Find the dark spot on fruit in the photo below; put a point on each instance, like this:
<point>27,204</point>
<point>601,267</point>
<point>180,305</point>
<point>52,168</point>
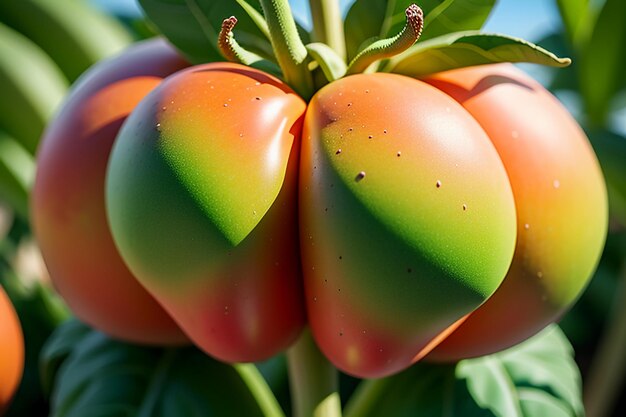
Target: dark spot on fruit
<point>409,270</point>
<point>338,152</point>
<point>360,176</point>
<point>257,98</point>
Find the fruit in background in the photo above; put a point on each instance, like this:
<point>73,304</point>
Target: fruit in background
<point>68,208</point>
<point>560,199</point>
<point>11,351</point>
<point>201,198</point>
<point>74,34</point>
<point>407,220</point>
<point>32,87</point>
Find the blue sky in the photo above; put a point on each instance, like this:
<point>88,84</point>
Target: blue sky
<point>529,19</point>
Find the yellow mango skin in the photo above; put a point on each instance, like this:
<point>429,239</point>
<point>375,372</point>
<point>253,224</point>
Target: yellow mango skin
<point>560,199</point>
<point>407,220</point>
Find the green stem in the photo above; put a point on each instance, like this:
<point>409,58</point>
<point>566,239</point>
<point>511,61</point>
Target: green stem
<point>230,48</point>
<point>367,394</point>
<point>313,380</point>
<point>288,47</point>
<point>606,374</point>
<point>233,52</point>
<point>259,389</point>
<point>386,48</point>
<point>328,25</point>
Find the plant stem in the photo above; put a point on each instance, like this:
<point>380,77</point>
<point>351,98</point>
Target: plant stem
<point>328,25</point>
<point>259,389</point>
<point>606,374</point>
<point>386,48</point>
<point>313,380</point>
<point>233,52</point>
<point>367,393</point>
<point>288,47</point>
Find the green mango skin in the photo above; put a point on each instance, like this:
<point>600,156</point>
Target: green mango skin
<point>560,199</point>
<point>407,220</point>
<point>201,199</point>
<point>67,204</point>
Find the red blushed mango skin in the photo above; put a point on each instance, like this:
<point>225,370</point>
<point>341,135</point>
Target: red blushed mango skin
<point>11,351</point>
<point>68,198</point>
<point>560,199</point>
<point>407,220</point>
<point>201,197</point>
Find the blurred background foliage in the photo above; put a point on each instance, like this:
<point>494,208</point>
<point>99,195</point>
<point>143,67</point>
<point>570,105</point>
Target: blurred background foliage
<point>55,41</point>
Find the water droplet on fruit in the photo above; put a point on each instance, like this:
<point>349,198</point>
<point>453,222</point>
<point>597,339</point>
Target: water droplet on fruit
<point>526,226</point>
<point>367,91</point>
<point>163,108</point>
<point>370,136</point>
<point>539,274</point>
<point>399,154</point>
<point>338,152</point>
<point>464,207</point>
<point>225,104</point>
<point>360,176</point>
<point>350,129</point>
<point>257,98</point>
<point>438,184</point>
<point>315,299</point>
<point>556,183</point>
<point>385,131</point>
<point>349,104</point>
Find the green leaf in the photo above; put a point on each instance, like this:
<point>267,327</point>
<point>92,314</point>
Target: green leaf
<point>573,13</point>
<point>331,64</point>
<point>534,379</point>
<point>602,61</point>
<point>17,172</point>
<point>611,151</point>
<point>93,375</point>
<point>464,49</point>
<point>194,25</point>
<point>369,19</point>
